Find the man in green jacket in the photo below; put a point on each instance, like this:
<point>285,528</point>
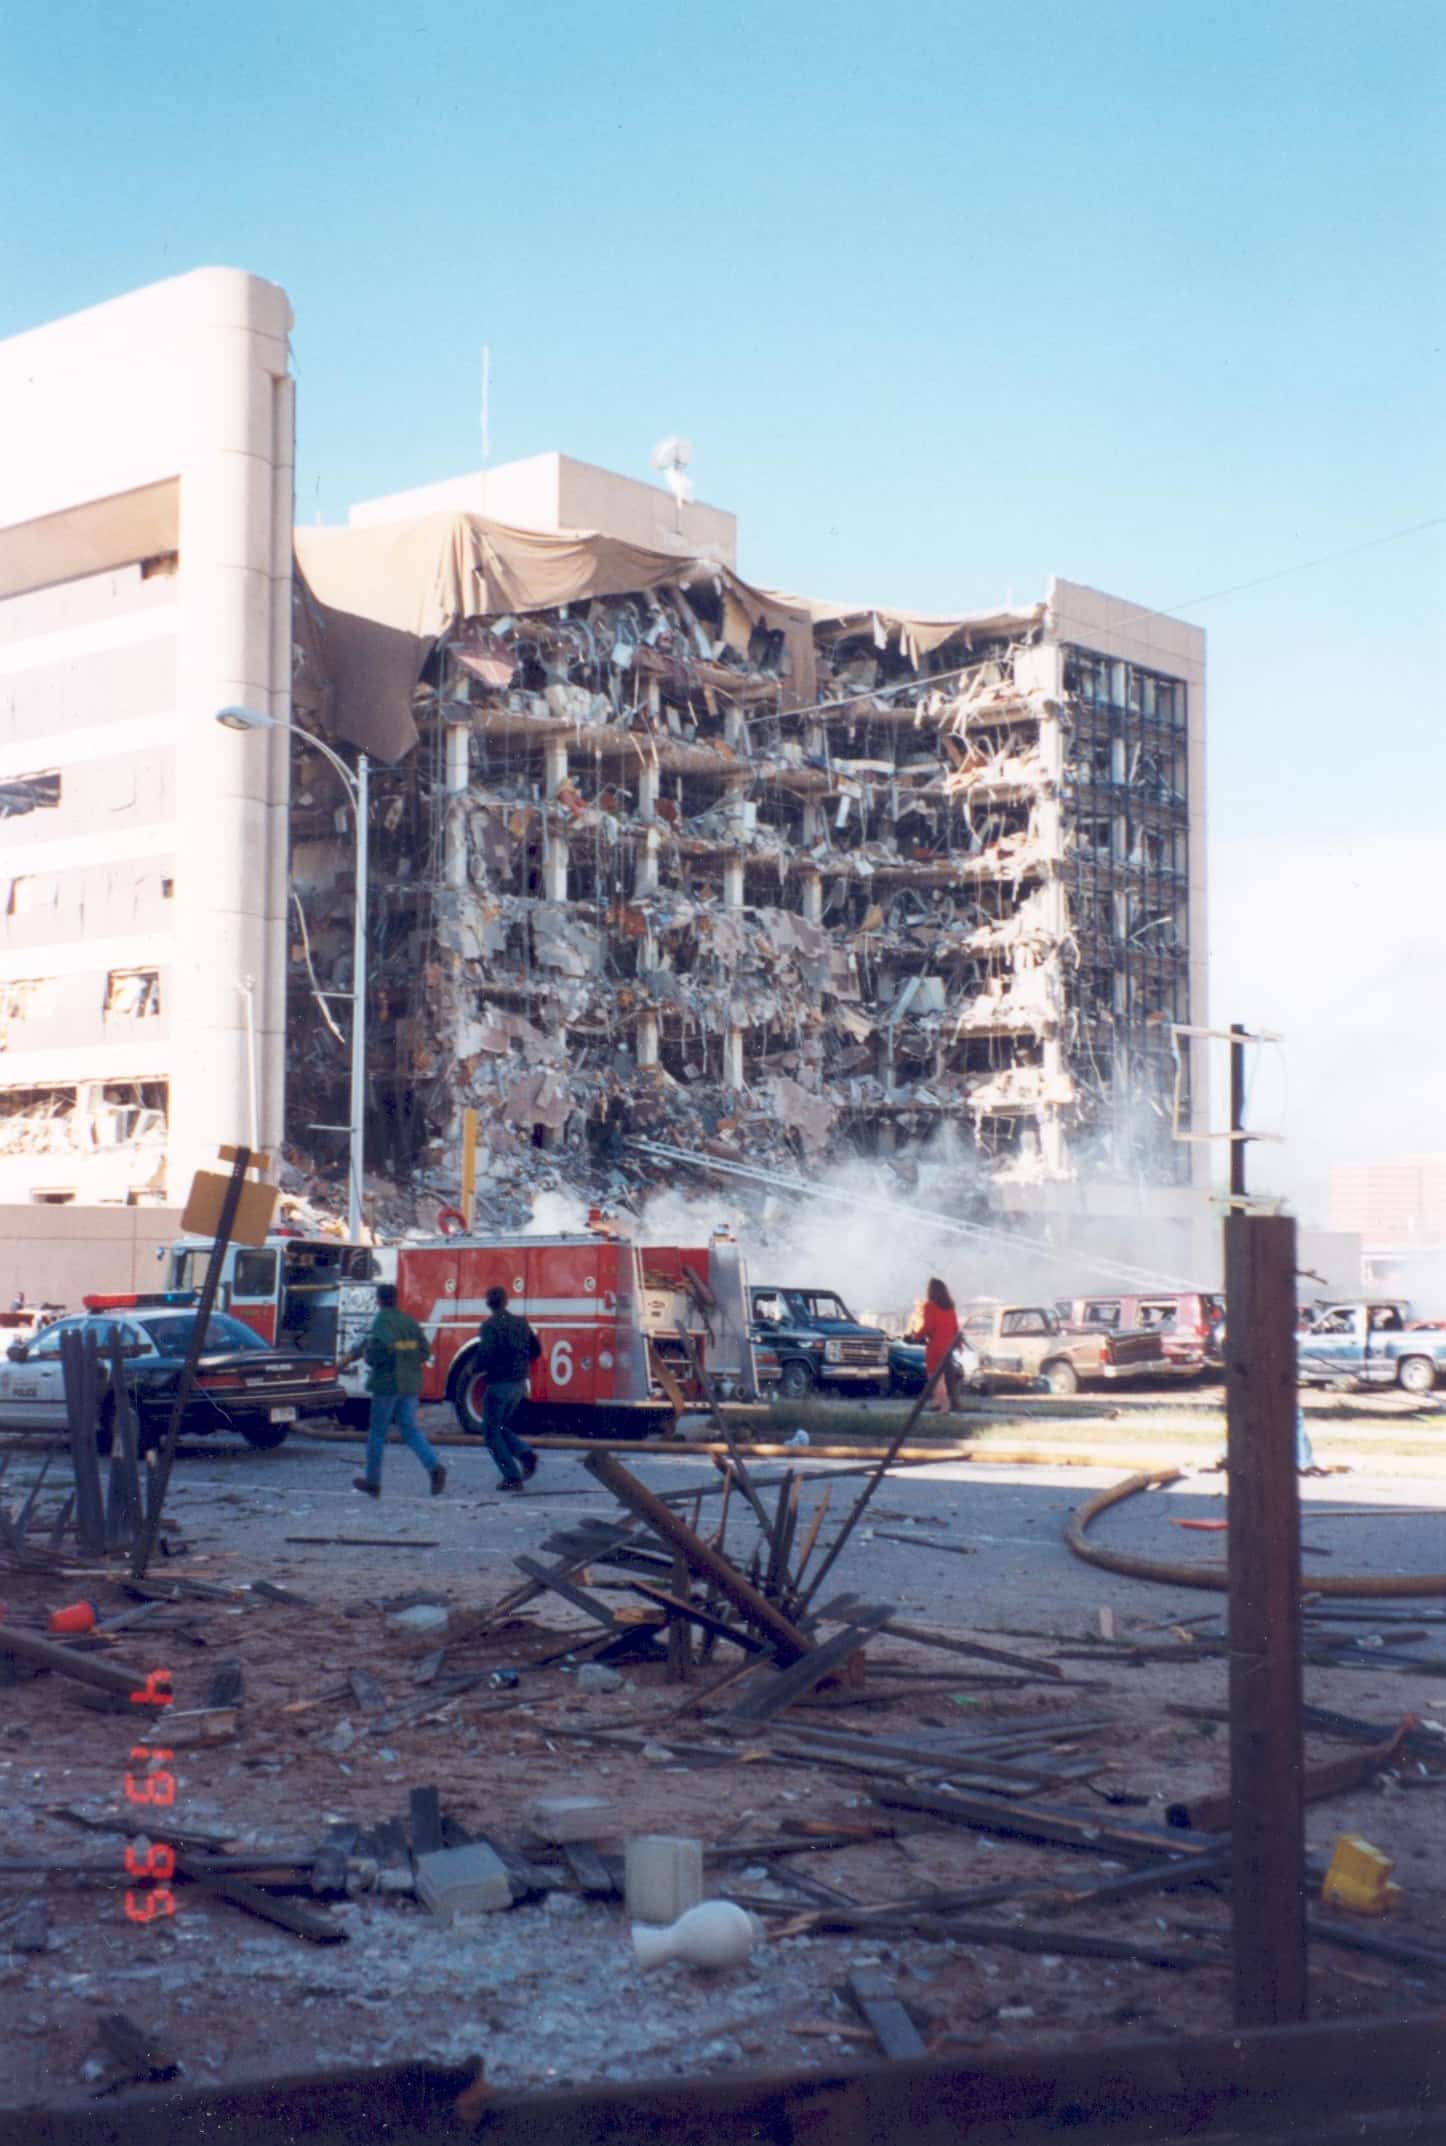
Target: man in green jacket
<point>395,1351</point>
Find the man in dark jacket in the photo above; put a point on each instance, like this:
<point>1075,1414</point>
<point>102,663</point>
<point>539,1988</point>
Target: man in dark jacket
<point>395,1351</point>
<point>509,1350</point>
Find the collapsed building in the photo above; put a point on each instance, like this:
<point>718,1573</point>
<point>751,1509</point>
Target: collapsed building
<point>655,853</point>
<point>660,855</point>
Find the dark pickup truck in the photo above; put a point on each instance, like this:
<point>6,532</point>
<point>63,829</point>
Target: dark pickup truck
<point>818,1342</point>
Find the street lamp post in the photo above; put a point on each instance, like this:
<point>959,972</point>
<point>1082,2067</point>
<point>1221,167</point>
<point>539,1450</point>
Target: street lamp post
<point>355,788</point>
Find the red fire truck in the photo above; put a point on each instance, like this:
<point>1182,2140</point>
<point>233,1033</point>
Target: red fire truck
<point>623,1327</point>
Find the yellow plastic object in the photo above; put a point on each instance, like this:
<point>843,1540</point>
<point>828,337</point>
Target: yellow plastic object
<point>1359,1877</point>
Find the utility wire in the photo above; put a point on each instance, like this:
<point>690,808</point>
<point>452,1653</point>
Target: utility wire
<point>1303,566</point>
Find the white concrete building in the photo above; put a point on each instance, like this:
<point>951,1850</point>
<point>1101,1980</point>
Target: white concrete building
<point>145,582</point>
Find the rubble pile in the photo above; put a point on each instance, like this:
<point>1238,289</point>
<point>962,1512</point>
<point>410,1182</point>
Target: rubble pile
<point>459,1819</point>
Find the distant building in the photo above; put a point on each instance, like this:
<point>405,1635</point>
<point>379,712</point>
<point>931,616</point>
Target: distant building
<point>1399,1211</point>
<point>1394,1206</point>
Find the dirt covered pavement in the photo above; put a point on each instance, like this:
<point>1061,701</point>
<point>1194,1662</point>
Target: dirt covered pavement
<point>375,1679</point>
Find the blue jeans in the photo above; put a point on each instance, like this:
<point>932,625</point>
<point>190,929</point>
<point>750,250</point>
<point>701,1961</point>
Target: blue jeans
<point>400,1408</point>
<point>499,1405</point>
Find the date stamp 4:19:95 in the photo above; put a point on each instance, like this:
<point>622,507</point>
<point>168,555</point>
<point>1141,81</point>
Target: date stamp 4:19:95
<point>150,1782</point>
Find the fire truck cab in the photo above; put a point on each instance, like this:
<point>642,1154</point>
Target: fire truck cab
<point>312,1294</point>
<point>628,1333</point>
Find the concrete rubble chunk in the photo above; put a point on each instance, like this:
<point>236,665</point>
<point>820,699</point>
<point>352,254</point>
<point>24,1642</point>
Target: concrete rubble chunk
<point>422,1617</point>
<point>596,1676</point>
<point>462,1881</point>
<point>664,1877</point>
<point>571,1818</point>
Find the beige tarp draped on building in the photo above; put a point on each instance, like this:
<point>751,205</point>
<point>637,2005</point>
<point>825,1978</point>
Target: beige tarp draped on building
<point>917,636</point>
<point>375,599</point>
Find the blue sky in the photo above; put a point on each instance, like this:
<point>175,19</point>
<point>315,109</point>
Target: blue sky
<point>948,297</point>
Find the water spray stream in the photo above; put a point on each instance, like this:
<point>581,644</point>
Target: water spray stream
<point>948,1225</point>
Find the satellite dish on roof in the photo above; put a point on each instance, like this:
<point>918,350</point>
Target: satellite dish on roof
<point>671,458</point>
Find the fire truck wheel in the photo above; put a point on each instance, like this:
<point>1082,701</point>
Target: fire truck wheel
<point>465,1389</point>
<point>258,1431</point>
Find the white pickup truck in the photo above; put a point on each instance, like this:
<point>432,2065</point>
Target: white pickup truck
<point>1372,1345</point>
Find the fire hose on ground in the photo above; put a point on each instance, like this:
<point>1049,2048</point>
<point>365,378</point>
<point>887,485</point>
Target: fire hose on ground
<point>1214,1574</point>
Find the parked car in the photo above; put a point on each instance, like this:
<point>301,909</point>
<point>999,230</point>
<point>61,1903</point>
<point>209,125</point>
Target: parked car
<point>1190,1323</point>
<point>818,1341</point>
<point>1026,1345</point>
<point>242,1384</point>
<point>907,1368</point>
<point>1372,1344</point>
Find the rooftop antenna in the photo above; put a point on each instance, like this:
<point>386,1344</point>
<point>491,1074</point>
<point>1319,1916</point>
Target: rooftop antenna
<point>671,458</point>
<point>486,402</point>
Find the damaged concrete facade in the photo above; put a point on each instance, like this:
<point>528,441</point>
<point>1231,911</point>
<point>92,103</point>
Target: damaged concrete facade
<point>786,887</point>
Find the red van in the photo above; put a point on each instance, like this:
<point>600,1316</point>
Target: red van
<point>1189,1323</point>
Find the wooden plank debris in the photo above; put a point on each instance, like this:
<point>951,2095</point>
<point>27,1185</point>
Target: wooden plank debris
<point>102,1674</point>
<point>138,2057</point>
<point>274,1593</point>
<point>1372,2077</point>
<point>253,1900</point>
<point>594,1880</point>
<point>679,1606</point>
<point>923,1637</point>
<point>879,2006</point>
<point>786,1639</point>
<point>1041,1822</point>
<point>1021,1937</point>
<point>367,1691</point>
<point>227,1686</point>
<point>80,1361</point>
<point>1267,1820</point>
<point>425,1807</point>
<point>1212,1814</point>
<point>367,1542</point>
<point>768,1691</point>
<point>925,1542</point>
<point>560,1584</point>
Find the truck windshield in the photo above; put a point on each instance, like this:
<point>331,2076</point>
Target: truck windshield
<point>819,1304</point>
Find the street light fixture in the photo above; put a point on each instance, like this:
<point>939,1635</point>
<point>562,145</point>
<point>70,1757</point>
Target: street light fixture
<point>355,788</point>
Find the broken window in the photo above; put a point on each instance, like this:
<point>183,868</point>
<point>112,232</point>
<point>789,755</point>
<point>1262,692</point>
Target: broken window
<point>133,994</point>
<point>25,998</point>
<point>36,1121</point>
<point>29,793</point>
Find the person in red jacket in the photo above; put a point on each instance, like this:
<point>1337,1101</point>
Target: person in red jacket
<point>938,1330</point>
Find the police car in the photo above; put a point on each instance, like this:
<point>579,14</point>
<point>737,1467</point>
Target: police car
<point>242,1383</point>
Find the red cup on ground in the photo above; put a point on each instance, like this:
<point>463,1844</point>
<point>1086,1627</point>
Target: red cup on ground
<point>75,1617</point>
